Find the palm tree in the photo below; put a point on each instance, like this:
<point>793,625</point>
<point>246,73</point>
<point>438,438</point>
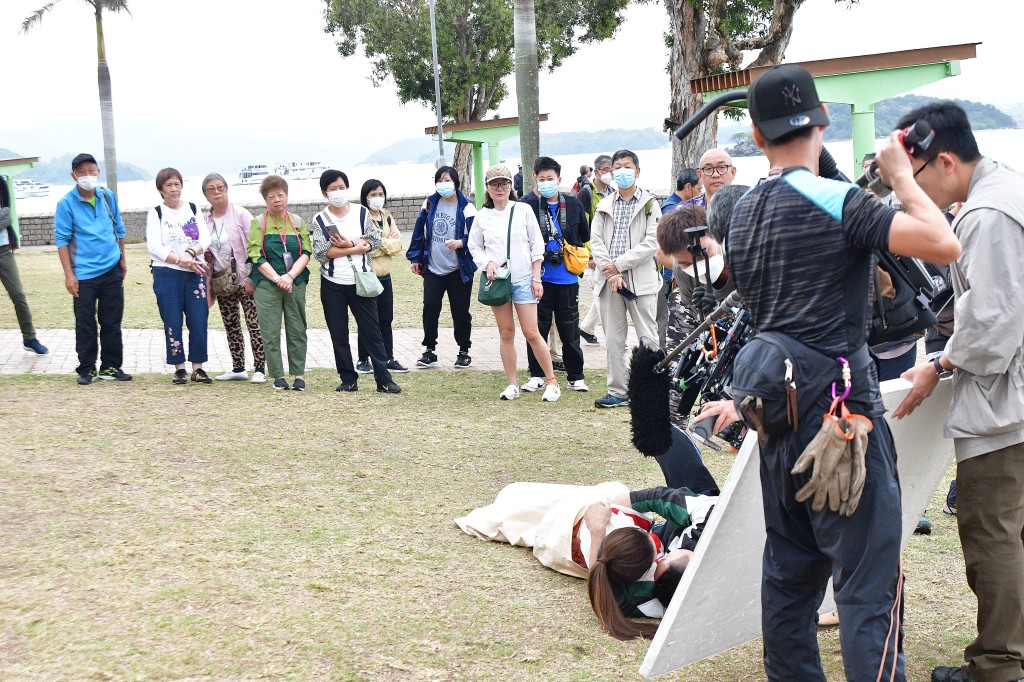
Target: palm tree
<point>102,75</point>
<point>527,87</point>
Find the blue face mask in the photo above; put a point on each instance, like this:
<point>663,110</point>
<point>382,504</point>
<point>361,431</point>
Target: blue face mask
<point>547,188</point>
<point>445,189</point>
<point>624,177</point>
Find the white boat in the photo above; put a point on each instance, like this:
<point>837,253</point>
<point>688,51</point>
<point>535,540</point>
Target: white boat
<point>301,170</point>
<point>253,174</point>
<point>23,189</point>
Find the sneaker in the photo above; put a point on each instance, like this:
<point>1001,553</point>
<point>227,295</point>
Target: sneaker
<point>534,384</point>
<point>33,346</point>
<point>347,387</point>
<point>236,374</point>
<point>396,366</point>
<point>259,376</point>
<point>180,377</point>
<point>950,506</point>
<point>551,393</point>
<point>113,374</point>
<point>924,526</point>
<point>86,379</point>
<point>611,401</point>
<point>390,387</point>
<point>462,360</point>
<point>280,384</point>
<point>578,385</point>
<point>947,673</point>
<point>364,367</point>
<point>558,366</point>
<point>201,377</point>
<point>428,359</point>
<point>511,392</point>
<point>589,338</point>
<point>298,385</point>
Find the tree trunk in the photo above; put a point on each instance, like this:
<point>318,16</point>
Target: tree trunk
<point>106,104</point>
<point>463,162</point>
<point>686,61</point>
<point>527,88</point>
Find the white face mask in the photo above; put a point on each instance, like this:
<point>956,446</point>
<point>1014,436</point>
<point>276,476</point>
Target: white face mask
<point>376,203</point>
<point>717,266</point>
<point>88,182</point>
<point>336,198</point>
<point>606,178</point>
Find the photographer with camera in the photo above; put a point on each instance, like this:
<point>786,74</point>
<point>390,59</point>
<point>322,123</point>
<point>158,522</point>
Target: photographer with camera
<point>800,251</point>
<point>986,357</point>
<point>562,221</point>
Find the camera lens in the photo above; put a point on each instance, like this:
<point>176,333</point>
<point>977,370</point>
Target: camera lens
<point>553,257</point>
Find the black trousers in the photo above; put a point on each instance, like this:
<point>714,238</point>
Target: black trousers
<point>337,300</point>
<point>563,302</point>
<point>101,298</point>
<point>459,292</point>
<point>385,316</point>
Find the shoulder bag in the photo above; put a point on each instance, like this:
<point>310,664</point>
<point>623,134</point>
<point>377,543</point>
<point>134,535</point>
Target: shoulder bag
<point>367,284</point>
<point>498,291</point>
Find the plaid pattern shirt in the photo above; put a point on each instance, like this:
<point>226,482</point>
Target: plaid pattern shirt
<point>622,211</point>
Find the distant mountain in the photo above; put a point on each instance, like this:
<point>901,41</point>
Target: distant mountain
<point>888,112</point>
<point>58,170</point>
<point>412,150</point>
<point>8,154</point>
<point>1017,111</point>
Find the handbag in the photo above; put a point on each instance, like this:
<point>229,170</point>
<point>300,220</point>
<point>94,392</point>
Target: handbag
<point>226,283</point>
<point>498,291</point>
<point>367,284</point>
<point>576,258</point>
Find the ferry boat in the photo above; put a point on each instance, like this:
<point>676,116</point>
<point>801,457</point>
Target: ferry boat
<point>23,189</point>
<point>301,170</point>
<point>253,174</point>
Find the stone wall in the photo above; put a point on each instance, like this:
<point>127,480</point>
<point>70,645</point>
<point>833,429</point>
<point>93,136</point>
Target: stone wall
<point>37,229</point>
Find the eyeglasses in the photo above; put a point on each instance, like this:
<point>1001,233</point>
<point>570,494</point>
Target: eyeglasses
<point>500,185</point>
<point>216,189</point>
<point>711,170</point>
<point>925,165</point>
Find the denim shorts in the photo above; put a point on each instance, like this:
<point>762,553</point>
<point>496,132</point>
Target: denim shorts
<point>522,291</point>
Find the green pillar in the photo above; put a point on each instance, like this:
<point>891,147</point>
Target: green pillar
<point>492,153</point>
<point>478,173</point>
<point>863,128</point>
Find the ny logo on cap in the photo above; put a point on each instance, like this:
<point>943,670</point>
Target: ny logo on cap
<point>791,95</point>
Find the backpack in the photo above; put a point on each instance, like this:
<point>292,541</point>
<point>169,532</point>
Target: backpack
<point>160,213</point>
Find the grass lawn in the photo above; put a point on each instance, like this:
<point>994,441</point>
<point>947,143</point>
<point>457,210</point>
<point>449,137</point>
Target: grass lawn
<point>43,280</point>
<point>152,531</point>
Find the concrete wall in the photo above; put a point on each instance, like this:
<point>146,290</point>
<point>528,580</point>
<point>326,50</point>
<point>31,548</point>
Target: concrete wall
<point>37,229</point>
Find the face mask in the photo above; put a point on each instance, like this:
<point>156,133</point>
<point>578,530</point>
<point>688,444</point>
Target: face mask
<point>88,182</point>
<point>606,178</point>
<point>445,189</point>
<point>717,265</point>
<point>624,177</point>
<point>547,188</point>
<point>336,199</point>
<point>376,203</point>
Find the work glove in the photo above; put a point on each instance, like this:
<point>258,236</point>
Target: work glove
<point>858,471</point>
<point>825,452</point>
<point>703,299</point>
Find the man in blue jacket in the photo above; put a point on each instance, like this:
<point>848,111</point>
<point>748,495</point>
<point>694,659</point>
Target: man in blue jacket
<point>89,235</point>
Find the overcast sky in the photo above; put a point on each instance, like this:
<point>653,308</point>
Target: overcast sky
<point>215,82</point>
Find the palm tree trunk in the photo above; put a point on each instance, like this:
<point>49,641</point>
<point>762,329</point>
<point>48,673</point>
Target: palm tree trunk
<point>106,103</point>
<point>527,89</point>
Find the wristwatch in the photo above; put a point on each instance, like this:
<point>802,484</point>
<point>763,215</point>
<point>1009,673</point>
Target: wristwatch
<point>277,278</point>
<point>941,371</point>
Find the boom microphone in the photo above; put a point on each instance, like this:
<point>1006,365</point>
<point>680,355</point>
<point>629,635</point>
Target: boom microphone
<point>711,107</point>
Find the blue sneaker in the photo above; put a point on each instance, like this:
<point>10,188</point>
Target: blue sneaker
<point>611,401</point>
<point>950,506</point>
<point>33,346</point>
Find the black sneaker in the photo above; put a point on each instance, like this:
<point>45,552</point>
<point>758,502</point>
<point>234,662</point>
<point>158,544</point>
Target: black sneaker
<point>428,359</point>
<point>924,526</point>
<point>280,384</point>
<point>589,338</point>
<point>86,379</point>
<point>201,377</point>
<point>462,361</point>
<point>946,673</point>
<point>180,377</point>
<point>348,386</point>
<point>396,366</point>
<point>390,387</point>
<point>364,367</point>
<point>298,385</point>
<point>113,374</point>
<point>558,366</point>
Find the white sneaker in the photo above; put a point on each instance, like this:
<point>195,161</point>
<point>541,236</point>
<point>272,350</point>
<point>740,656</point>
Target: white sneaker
<point>578,385</point>
<point>551,393</point>
<point>511,392</point>
<point>258,377</point>
<point>534,384</point>
<point>232,375</point>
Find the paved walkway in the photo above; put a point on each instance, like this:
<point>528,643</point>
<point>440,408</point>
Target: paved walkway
<point>144,351</point>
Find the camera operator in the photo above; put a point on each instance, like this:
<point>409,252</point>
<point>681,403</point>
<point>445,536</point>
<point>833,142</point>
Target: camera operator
<point>986,355</point>
<point>561,217</point>
<point>799,249</point>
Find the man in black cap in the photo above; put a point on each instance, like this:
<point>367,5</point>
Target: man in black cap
<point>799,249</point>
<point>89,235</point>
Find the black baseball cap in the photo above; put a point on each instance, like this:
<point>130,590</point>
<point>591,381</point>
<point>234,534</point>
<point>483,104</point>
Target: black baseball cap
<point>784,99</point>
<point>82,158</point>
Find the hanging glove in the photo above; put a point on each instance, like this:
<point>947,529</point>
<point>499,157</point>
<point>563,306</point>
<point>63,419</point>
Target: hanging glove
<point>858,471</point>
<point>824,452</point>
<point>703,299</point>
